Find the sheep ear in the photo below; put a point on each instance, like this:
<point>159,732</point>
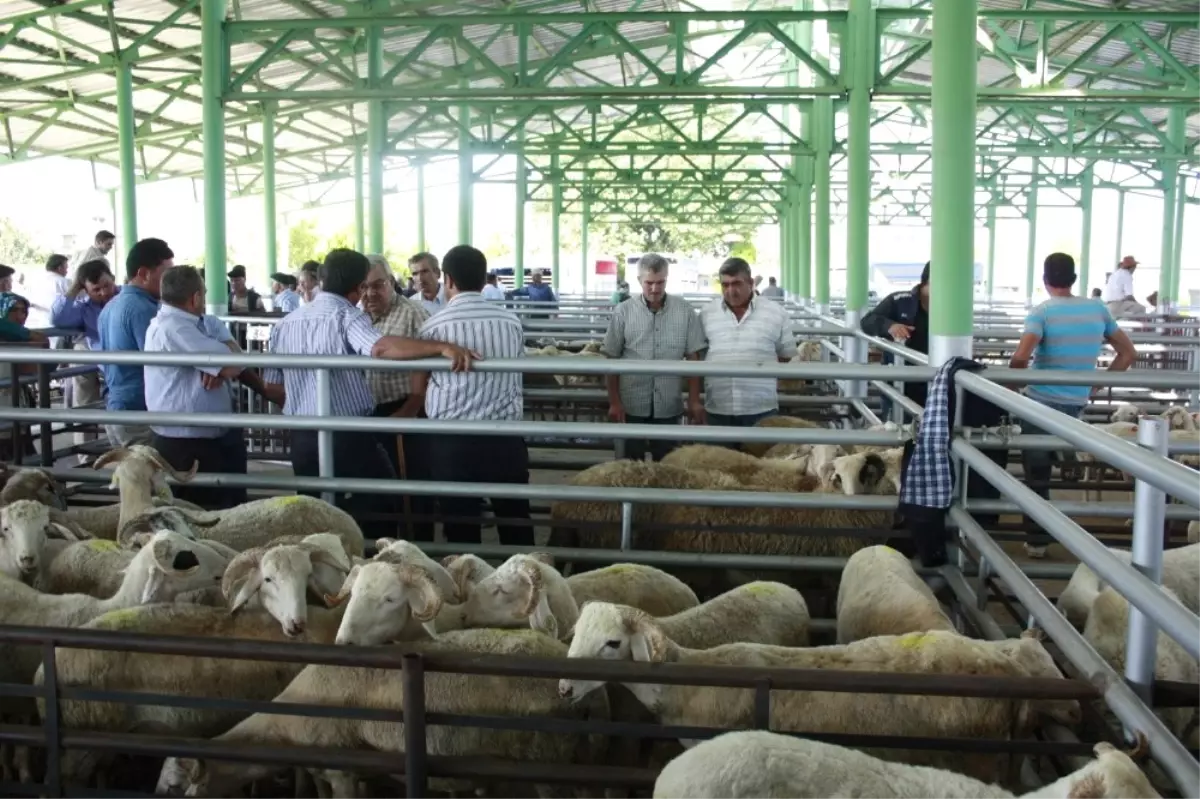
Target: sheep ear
<point>872,470</point>
<point>1090,786</point>
<point>543,557</point>
<point>347,588</point>
<point>428,600</point>
<point>138,540</point>
<point>1036,633</point>
<point>648,644</point>
<point>316,556</point>
<point>56,530</point>
<point>248,588</point>
<point>542,620</point>
<point>383,543</point>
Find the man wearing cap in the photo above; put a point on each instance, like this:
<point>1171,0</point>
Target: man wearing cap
<point>1118,292</point>
<point>1064,332</point>
<point>283,290</point>
<point>903,317</point>
<point>242,299</point>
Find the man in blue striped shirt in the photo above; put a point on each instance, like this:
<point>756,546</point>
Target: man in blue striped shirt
<point>1064,332</point>
<point>332,324</point>
<point>471,321</point>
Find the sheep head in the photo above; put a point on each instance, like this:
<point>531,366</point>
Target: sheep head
<point>279,577</point>
<point>612,632</point>
<point>382,598</point>
<point>143,466</point>
<point>466,570</point>
<point>25,526</point>
<point>860,473</point>
<point>514,595</point>
<point>35,484</point>
<point>1112,773</point>
<point>173,564</point>
<point>1031,656</point>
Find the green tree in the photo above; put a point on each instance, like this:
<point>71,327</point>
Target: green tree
<point>344,238</point>
<point>18,247</point>
<point>303,242</point>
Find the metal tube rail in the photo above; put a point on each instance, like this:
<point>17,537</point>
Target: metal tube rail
<point>368,424</point>
<point>1173,478</point>
<point>1174,619</point>
<point>1168,752</point>
<point>898,398</point>
<point>1141,650</point>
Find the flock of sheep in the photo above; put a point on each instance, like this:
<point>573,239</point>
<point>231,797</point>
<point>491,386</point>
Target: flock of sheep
<point>293,569</point>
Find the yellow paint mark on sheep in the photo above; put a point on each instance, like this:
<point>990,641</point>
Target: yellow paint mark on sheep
<point>103,545</point>
<point>619,568</point>
<point>118,619</point>
<point>286,501</point>
<point>915,640</point>
<point>761,588</point>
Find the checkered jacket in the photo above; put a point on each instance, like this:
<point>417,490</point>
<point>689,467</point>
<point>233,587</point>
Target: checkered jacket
<point>928,480</point>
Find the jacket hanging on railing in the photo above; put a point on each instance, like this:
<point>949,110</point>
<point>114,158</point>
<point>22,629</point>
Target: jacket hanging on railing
<point>927,484</point>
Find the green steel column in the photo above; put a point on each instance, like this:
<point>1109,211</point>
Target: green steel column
<point>802,281</point>
<point>360,211</point>
<point>783,245</point>
<point>1120,228</point>
<point>466,176</point>
<point>270,233</point>
<point>858,158</point>
<point>1176,138</point>
<point>213,70</point>
<point>421,242</point>
<point>1031,204</point>
<point>519,234</point>
<point>952,273</point>
<point>1085,246</point>
<point>804,242</point>
<point>376,140</point>
<point>991,256</point>
<point>125,135</point>
<point>555,218</point>
<point>583,234</point>
<point>1177,266</point>
<point>823,133</point>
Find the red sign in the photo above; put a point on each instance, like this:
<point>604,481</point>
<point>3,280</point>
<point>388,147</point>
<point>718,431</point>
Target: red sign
<point>606,267</point>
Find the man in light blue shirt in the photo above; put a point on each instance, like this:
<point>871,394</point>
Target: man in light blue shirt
<point>1065,332</point>
<point>181,326</point>
<point>122,328</point>
<point>284,297</point>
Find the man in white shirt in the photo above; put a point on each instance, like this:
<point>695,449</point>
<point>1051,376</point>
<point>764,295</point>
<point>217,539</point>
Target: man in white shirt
<point>1118,292</point>
<point>102,245</point>
<point>431,294</point>
<point>742,329</point>
<point>47,287</point>
<point>491,289</point>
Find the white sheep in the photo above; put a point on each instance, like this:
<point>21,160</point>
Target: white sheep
<point>475,694</point>
<point>1125,412</point>
<point>880,594</point>
<point>174,675</point>
<point>604,627</point>
<point>25,529</point>
<point>1180,573</point>
<point>138,476</point>
<point>388,602</point>
<point>1107,630</point>
<point>406,553</point>
<point>821,458</point>
<point>643,587</point>
<point>856,474</point>
<point>524,591</point>
<point>35,484</point>
<point>1178,418</point>
<point>279,576</point>
<point>465,570</point>
<point>753,763</point>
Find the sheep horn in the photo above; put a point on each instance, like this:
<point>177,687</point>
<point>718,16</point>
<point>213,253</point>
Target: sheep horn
<point>1141,746</point>
<point>429,593</point>
<point>318,555</point>
<point>112,456</point>
<point>335,601</point>
<point>530,572</point>
<point>161,463</point>
<point>236,571</point>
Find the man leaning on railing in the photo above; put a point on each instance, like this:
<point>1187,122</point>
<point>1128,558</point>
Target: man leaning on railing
<point>1064,332</point>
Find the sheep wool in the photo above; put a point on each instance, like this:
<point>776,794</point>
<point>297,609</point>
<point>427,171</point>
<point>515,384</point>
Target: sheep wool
<point>880,594</point>
<point>642,587</point>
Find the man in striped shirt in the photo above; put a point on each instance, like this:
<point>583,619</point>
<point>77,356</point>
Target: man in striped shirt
<point>472,322</point>
<point>745,330</point>
<point>1064,332</point>
<point>332,325</point>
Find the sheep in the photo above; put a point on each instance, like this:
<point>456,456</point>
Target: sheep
<point>880,594</point>
<point>387,603</point>
<point>604,627</point>
<point>25,529</point>
<point>759,449</point>
<point>854,474</point>
<point>754,763</point>
<point>138,477</point>
<point>893,468</point>
<point>810,350</point>
<point>255,523</point>
<point>1125,412</point>
<point>465,570</point>
<point>643,587</point>
<point>279,576</point>
<point>738,465</point>
<point>405,552</point>
<point>524,591</point>
<point>1180,573</point>
<point>176,675</point>
<point>35,484</point>
<point>475,695</point>
<point>1107,630</point>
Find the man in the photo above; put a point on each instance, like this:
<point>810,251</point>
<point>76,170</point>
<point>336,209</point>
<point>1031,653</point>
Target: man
<point>47,287</point>
<point>431,294</point>
<point>11,331</point>
<point>772,290</point>
<point>1097,294</point>
<point>122,328</point>
<point>653,327</point>
<point>393,391</point>
<point>241,298</point>
<point>102,245</point>
<point>743,330</point>
<point>308,283</point>
<point>283,293</point>
<point>1118,291</point>
<point>1152,301</point>
<point>492,290</point>
<point>536,290</point>
<point>903,317</point>
<point>1065,332</point>
<point>181,326</point>
<point>621,294</point>
<point>332,325</point>
<point>6,278</point>
<point>472,322</point>
<point>79,309</point>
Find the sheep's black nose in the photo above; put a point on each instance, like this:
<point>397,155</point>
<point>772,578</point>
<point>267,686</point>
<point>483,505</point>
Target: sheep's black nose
<point>185,559</point>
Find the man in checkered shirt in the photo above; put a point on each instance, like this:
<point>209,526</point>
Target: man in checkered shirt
<point>653,327</point>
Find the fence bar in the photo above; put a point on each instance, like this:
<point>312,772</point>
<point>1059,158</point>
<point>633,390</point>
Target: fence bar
<point>324,431</point>
<point>626,526</point>
<point>1149,506</point>
<point>1168,752</point>
<point>1175,620</point>
<point>52,721</point>
<point>413,697</point>
<point>47,436</point>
